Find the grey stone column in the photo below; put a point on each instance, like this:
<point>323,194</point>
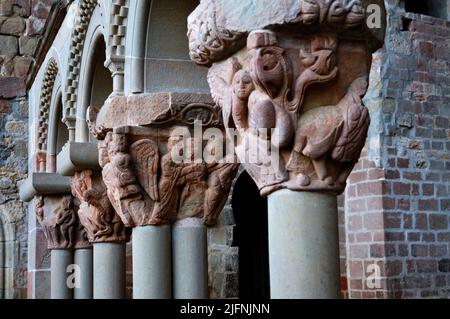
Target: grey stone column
<point>109,270</point>
<point>60,260</point>
<point>152,267</point>
<point>303,245</point>
<point>190,259</point>
<point>83,258</point>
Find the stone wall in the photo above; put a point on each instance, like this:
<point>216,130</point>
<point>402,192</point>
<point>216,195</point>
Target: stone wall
<point>397,202</point>
<point>21,26</point>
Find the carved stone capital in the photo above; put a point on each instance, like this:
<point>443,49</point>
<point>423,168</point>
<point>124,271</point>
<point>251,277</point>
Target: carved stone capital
<point>60,226</point>
<point>292,96</point>
<point>95,212</point>
<point>147,186</point>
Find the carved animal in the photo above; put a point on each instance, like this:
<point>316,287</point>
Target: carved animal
<point>334,132</point>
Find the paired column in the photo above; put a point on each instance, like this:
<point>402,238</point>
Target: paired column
<point>83,259</point>
<point>61,260</point>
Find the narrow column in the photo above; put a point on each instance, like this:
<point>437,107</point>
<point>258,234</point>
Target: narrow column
<point>61,259</point>
<point>152,268</point>
<point>109,270</point>
<point>83,259</point>
<point>303,245</point>
<point>190,259</point>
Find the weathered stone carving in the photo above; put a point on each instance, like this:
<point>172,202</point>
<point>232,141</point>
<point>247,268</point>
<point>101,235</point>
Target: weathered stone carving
<point>84,13</point>
<point>294,93</point>
<point>48,83</point>
<point>95,212</point>
<point>147,187</point>
<point>60,227</point>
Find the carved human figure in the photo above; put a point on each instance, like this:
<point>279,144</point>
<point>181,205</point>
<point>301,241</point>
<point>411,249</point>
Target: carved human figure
<point>96,213</point>
<point>60,227</point>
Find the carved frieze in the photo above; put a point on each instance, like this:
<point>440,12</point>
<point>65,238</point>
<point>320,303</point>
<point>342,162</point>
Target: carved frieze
<point>95,211</point>
<point>292,97</point>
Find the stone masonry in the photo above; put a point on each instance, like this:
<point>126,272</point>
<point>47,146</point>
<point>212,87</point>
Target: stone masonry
<point>397,201</point>
<point>21,27</point>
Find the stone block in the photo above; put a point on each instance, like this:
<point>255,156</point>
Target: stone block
<point>8,45</point>
<point>13,26</point>
<point>11,87</point>
<point>28,45</point>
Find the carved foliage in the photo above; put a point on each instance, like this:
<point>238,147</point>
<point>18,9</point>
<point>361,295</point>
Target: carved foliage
<point>149,189</point>
<point>96,214</point>
<point>207,41</point>
<point>60,228</point>
<point>262,96</point>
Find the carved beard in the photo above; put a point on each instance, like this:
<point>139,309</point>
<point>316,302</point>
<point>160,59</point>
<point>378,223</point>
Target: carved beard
<point>268,69</point>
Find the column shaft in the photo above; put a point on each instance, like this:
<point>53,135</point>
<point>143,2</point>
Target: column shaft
<point>61,259</point>
<point>83,259</point>
<point>109,270</point>
<point>152,268</point>
<point>190,259</point>
<point>303,245</point>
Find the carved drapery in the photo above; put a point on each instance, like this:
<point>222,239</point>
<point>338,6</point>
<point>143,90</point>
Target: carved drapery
<point>61,227</point>
<point>293,94</point>
<point>95,212</point>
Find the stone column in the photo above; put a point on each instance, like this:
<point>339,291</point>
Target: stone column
<point>60,230</point>
<point>303,245</point>
<point>83,258</point>
<point>105,231</point>
<point>152,262</point>
<point>109,270</point>
<point>61,259</point>
<point>190,259</point>
<point>293,99</point>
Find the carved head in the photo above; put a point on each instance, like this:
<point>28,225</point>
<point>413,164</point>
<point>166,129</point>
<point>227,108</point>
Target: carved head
<point>268,67</point>
<point>103,157</point>
<point>67,203</point>
<point>242,85</point>
<point>322,59</point>
<point>118,144</point>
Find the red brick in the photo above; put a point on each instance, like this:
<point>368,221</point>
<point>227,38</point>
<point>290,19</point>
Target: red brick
<point>403,162</point>
<point>403,204</point>
<point>355,268</point>
<point>357,205</point>
<point>407,221</point>
<point>402,189</point>
<point>438,250</point>
<point>426,266</point>
<point>392,174</point>
<point>394,236</point>
<point>359,251</point>
<point>363,237</point>
<point>414,176</point>
<point>356,177</point>
<point>428,237</point>
<point>4,106</point>
<point>376,174</point>
<point>392,220</point>
<point>419,250</point>
<point>403,250</point>
<point>370,188</point>
<point>373,221</point>
<point>438,221</point>
<point>354,223</point>
<point>421,221</point>
<point>356,284</point>
<point>427,189</point>
<point>394,267</point>
<point>377,250</point>
<point>428,205</point>
<point>413,236</point>
<point>388,203</point>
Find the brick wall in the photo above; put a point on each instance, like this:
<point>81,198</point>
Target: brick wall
<point>21,26</point>
<point>397,206</point>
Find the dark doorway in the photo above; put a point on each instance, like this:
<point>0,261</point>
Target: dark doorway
<point>251,236</point>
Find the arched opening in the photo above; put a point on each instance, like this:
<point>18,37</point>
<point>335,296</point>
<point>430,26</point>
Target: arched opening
<point>62,133</point>
<point>251,236</point>
<point>96,84</point>
<point>168,67</point>
<point>58,133</point>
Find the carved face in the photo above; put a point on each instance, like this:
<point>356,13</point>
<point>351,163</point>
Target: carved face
<point>118,144</point>
<point>242,85</point>
<point>267,68</point>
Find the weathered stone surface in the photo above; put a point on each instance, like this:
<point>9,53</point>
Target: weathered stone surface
<point>35,26</point>
<point>9,45</point>
<point>13,26</point>
<point>28,45</point>
<point>11,87</point>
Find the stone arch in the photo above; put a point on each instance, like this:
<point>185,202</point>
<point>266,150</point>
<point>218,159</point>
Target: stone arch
<point>48,82</point>
<point>83,18</point>
<point>7,240</point>
<point>117,30</point>
<point>96,82</point>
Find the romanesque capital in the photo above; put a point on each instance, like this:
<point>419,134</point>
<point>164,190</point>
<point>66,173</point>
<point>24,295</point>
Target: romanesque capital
<point>147,186</point>
<point>290,92</point>
<point>61,226</point>
<point>95,212</point>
